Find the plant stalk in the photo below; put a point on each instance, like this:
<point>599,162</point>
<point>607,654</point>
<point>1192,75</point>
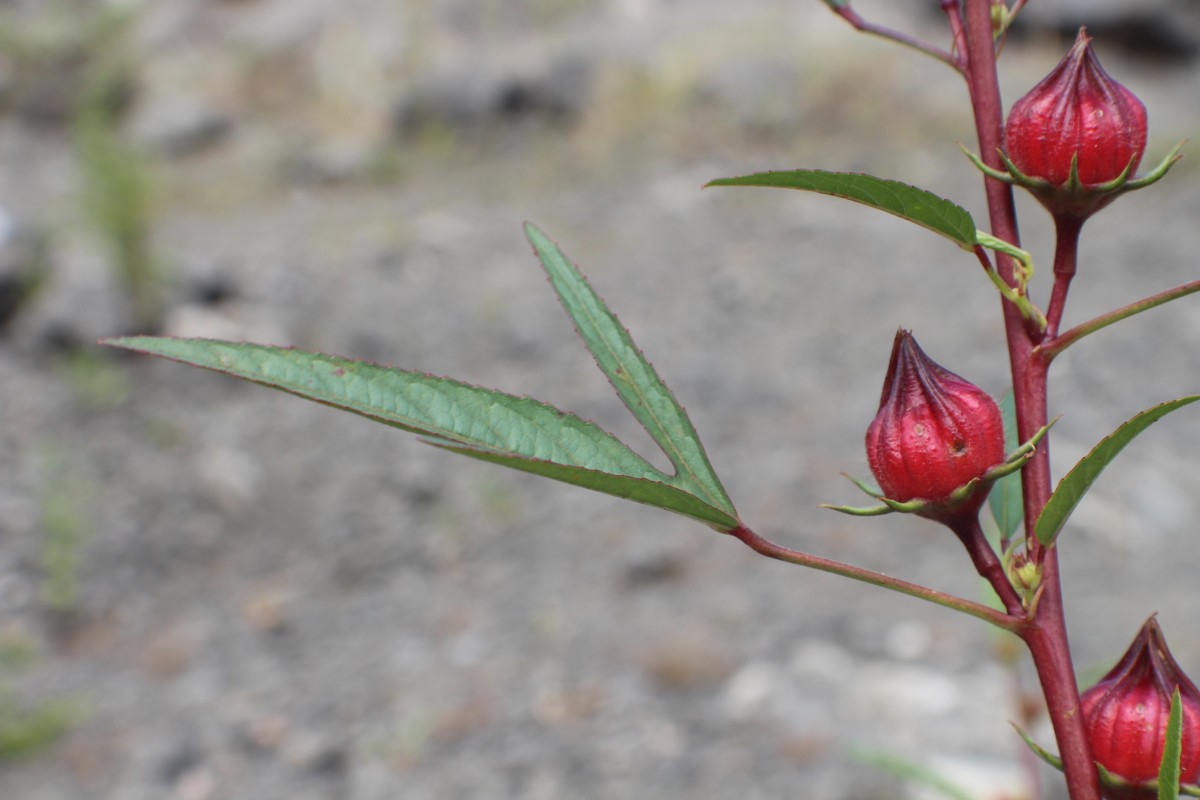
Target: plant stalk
<point>843,10</point>
<point>987,564</point>
<point>1050,348</point>
<point>770,549</point>
<point>1046,635</point>
<point>1066,254</point>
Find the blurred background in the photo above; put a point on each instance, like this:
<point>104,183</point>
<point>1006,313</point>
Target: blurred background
<point>210,591</point>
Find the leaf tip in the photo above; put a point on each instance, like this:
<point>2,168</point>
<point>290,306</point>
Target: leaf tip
<point>535,235</point>
<point>123,342</point>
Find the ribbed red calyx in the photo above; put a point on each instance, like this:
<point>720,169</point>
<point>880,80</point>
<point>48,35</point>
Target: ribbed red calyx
<point>934,432</point>
<point>1126,716</point>
<point>1077,110</point>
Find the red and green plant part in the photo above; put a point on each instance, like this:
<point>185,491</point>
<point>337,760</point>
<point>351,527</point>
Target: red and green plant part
<point>940,447</point>
<point>1127,712</point>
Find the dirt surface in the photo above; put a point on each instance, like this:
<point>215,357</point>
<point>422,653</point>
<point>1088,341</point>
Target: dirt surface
<point>275,600</point>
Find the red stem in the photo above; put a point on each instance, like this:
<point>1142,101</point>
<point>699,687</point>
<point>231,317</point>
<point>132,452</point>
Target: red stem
<point>953,11</point>
<point>865,26</point>
<point>766,547</point>
<point>1051,347</point>
<point>1046,636</point>
<point>987,564</point>
<point>1066,252</point>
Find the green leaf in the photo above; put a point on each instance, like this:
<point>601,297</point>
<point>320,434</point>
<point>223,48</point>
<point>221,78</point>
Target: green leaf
<point>907,202</point>
<point>1168,769</point>
<point>1005,499</point>
<point>1037,749</point>
<point>638,385</point>
<point>640,490</point>
<point>518,432</point>
<point>911,771</point>
<point>1072,488</point>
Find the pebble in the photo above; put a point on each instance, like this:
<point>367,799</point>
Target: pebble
<point>230,476</point>
<point>749,690</point>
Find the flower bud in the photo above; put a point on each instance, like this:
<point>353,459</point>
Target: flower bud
<point>1126,716</point>
<point>1077,113</point>
<point>934,433</point>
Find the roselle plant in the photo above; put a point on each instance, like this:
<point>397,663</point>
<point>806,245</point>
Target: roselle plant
<point>939,446</point>
<point>1127,708</point>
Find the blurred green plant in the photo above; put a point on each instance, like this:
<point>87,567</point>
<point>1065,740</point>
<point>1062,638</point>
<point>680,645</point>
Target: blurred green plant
<point>48,47</point>
<point>96,381</point>
<point>72,62</point>
<point>17,650</point>
<point>910,771</point>
<point>64,535</point>
<point>28,728</point>
<point>118,192</point>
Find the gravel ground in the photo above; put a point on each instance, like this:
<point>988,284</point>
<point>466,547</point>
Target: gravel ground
<point>276,600</point>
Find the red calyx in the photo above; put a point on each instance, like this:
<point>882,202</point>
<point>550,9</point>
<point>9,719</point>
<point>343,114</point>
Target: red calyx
<point>1077,111</point>
<point>1126,716</point>
<point>934,433</point>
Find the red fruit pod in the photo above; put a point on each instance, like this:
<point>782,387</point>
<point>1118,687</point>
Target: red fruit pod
<point>934,433</point>
<point>1078,112</point>
<point>1126,714</point>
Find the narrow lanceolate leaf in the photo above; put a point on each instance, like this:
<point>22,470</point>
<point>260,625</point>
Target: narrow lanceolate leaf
<point>1072,488</point>
<point>518,432</point>
<point>916,773</point>
<point>1005,498</point>
<point>907,202</point>
<point>1168,770</point>
<point>638,385</point>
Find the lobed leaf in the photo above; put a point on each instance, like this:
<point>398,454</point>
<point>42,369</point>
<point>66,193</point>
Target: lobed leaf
<point>907,202</point>
<point>1074,485</point>
<point>638,385</point>
<point>519,432</point>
